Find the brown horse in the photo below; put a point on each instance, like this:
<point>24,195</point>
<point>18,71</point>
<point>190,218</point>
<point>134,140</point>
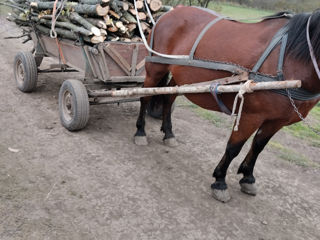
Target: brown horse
<point>241,43</point>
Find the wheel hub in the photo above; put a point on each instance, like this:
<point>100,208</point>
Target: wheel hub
<point>20,72</point>
<point>67,105</point>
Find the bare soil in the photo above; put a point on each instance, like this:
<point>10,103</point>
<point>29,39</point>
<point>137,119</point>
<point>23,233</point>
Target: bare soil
<point>96,184</point>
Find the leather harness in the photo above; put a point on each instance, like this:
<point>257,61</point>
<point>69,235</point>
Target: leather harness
<point>280,37</point>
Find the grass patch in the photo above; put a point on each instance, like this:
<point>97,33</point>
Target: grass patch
<point>302,131</point>
<point>214,117</point>
<point>292,156</point>
<point>238,12</point>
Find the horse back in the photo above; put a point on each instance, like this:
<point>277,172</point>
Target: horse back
<point>226,41</point>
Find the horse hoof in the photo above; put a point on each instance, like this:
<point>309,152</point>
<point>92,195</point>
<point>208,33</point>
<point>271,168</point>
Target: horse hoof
<point>141,140</point>
<point>221,195</point>
<point>171,142</point>
<point>249,189</point>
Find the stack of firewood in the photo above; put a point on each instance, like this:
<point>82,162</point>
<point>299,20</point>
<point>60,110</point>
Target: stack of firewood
<point>94,21</point>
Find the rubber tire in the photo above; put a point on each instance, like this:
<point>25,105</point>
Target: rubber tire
<point>30,71</point>
<point>155,107</point>
<point>79,102</point>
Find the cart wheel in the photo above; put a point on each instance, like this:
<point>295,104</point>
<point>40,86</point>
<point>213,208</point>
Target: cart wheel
<point>73,105</point>
<point>155,107</point>
<point>25,71</point>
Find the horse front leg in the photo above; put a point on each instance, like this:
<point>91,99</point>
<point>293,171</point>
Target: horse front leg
<point>262,137</point>
<point>248,124</point>
<point>166,127</point>
<point>140,137</point>
<point>169,138</point>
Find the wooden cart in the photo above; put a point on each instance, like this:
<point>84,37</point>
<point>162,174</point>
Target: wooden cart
<point>109,65</point>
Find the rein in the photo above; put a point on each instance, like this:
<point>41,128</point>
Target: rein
<point>313,58</point>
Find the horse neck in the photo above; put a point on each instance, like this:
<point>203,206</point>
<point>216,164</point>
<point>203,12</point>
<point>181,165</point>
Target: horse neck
<point>295,69</point>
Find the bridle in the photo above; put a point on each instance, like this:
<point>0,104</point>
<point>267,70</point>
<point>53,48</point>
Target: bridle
<point>313,58</point>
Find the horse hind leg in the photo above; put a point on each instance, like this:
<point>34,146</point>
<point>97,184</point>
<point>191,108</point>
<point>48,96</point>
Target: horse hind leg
<point>262,137</point>
<point>248,125</point>
<point>155,76</point>
<point>169,138</point>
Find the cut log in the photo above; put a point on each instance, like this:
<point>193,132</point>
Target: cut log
<point>77,18</point>
<point>155,5</point>
<point>145,27</point>
<point>79,8</point>
<point>102,11</point>
<point>113,29</point>
<point>114,14</point>
<point>97,22</point>
<point>132,11</point>
<point>108,20</point>
<point>131,27</point>
<point>67,25</point>
<point>121,28</point>
<point>94,2</point>
<point>166,8</point>
<point>103,32</point>
<point>61,32</point>
<point>139,4</point>
<point>142,16</point>
<point>129,17</point>
<point>97,39</point>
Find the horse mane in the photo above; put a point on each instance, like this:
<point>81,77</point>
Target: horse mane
<point>297,41</point>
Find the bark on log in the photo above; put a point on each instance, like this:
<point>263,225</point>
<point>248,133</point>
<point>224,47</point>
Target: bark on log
<point>77,18</point>
<point>68,25</point>
<point>189,89</point>
<point>129,17</point>
<point>97,22</point>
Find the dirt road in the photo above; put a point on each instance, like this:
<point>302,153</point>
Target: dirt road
<point>96,184</point>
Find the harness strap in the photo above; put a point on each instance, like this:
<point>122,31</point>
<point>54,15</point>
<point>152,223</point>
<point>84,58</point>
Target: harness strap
<point>281,57</point>
<point>212,65</point>
<point>214,91</point>
<point>274,42</point>
<point>203,32</point>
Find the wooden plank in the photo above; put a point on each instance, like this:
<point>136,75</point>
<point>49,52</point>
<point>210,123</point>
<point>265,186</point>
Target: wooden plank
<point>134,59</point>
<point>190,89</point>
<point>123,64</point>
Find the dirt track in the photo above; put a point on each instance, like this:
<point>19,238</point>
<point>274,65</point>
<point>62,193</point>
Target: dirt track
<point>96,184</point>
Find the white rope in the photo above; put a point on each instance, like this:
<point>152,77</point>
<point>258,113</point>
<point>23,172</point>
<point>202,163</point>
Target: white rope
<point>53,33</point>
<point>146,43</point>
<point>244,88</point>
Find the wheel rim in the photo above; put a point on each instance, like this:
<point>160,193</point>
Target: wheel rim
<point>20,73</point>
<point>67,108</point>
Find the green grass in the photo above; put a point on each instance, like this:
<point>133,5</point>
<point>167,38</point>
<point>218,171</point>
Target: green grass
<point>238,12</point>
<point>303,131</point>
<point>292,156</point>
<point>214,117</point>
